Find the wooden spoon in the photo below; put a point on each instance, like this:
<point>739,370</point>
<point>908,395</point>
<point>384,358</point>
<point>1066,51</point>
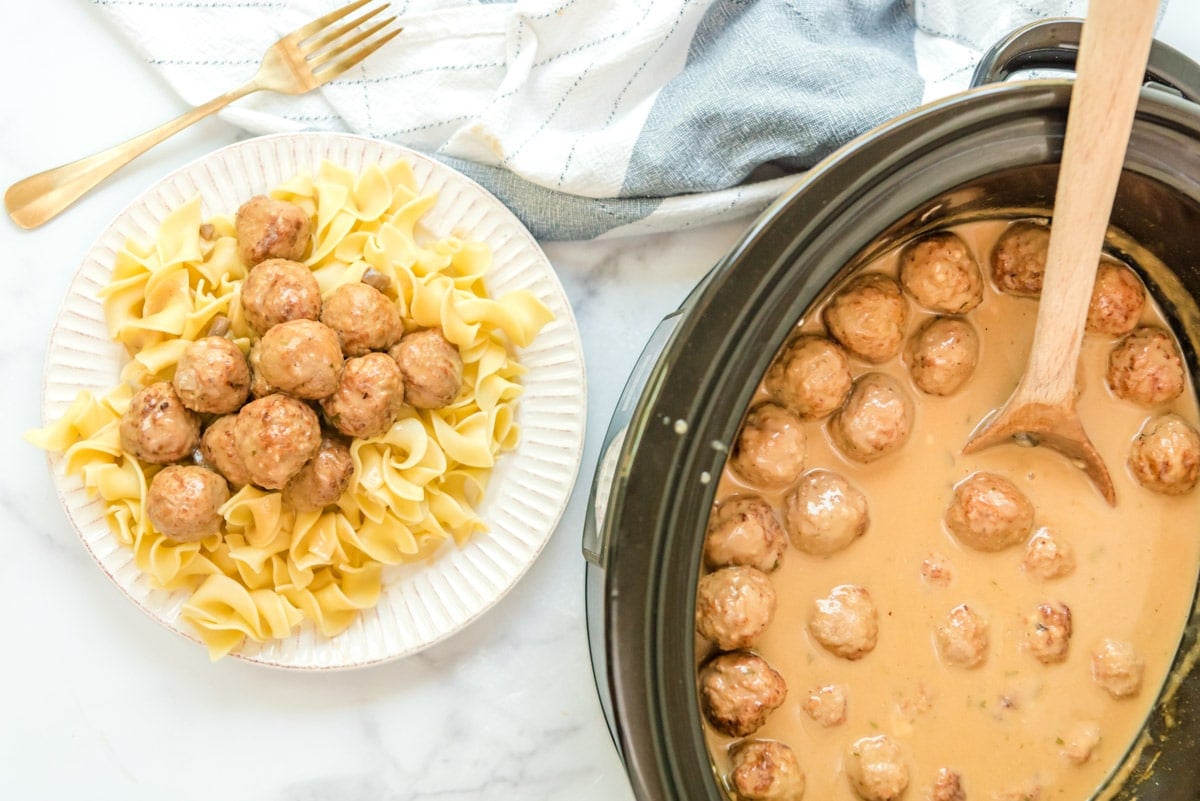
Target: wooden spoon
<point>1110,72</point>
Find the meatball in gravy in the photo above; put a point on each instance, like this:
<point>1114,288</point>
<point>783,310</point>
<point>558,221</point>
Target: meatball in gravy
<point>1019,258</point>
<point>744,531</point>
<point>1048,632</point>
<point>218,448</point>
<point>364,318</point>
<point>825,513</point>
<point>876,769</point>
<point>1165,456</point>
<point>876,419</point>
<point>275,436</point>
<point>1146,368</point>
<point>940,273</point>
<point>212,376</point>
<point>184,502</point>
<point>942,354</point>
<point>811,377</point>
<point>1048,556</point>
<point>432,368</point>
<point>766,770</point>
<point>277,291</point>
<point>826,705</point>
<point>157,428</point>
<point>271,229</point>
<point>733,606</point>
<point>770,449</point>
<point>1118,300</point>
<point>368,397</point>
<point>845,622</point>
<point>738,690</point>
<point>1117,667</point>
<point>989,513</point>
<point>962,639</point>
<point>868,316</point>
<point>302,358</point>
<point>323,478</point>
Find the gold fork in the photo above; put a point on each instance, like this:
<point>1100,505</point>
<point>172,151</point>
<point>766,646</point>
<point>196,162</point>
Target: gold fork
<point>299,62</point>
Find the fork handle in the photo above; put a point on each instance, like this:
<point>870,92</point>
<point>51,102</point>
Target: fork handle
<point>38,198</point>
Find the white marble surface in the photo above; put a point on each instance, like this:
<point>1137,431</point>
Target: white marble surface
<point>98,701</point>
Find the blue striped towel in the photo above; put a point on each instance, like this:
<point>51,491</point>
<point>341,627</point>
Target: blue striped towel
<point>601,117</point>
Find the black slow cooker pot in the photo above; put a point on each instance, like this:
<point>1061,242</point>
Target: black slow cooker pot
<point>993,149</point>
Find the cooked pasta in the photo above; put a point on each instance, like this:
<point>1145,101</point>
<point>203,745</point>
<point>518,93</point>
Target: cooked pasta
<point>415,487</point>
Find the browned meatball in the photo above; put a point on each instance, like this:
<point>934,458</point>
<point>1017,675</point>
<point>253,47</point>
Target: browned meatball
<point>218,446</point>
<point>368,397</point>
<point>811,377</point>
<point>1117,301</point>
<point>941,274</point>
<point>942,354</point>
<point>1019,258</point>
<point>845,622</point>
<point>1117,668</point>
<point>875,421</point>
<point>733,606</point>
<point>184,502</point>
<point>277,291</point>
<point>432,368</point>
<point>1048,632</point>
<point>157,427</point>
<point>868,316</point>
<point>989,513</point>
<point>1165,456</point>
<point>1146,367</point>
<point>826,705</point>
<point>738,690</point>
<point>364,318</point>
<point>825,513</point>
<point>744,531</point>
<point>766,770</point>
<point>275,436</point>
<point>962,639</point>
<point>876,769</point>
<point>947,786</point>
<point>770,448</point>
<point>212,376</point>
<point>1048,556</point>
<point>271,229</point>
<point>323,478</point>
<point>302,358</point>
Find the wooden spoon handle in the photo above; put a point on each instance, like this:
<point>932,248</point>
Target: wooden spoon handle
<point>1111,70</point>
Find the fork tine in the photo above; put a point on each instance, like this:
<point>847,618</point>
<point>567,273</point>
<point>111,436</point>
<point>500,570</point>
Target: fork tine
<point>335,68</point>
<point>344,47</point>
<point>330,18</point>
<point>314,43</point>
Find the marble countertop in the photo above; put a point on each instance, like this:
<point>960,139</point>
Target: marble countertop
<point>98,701</point>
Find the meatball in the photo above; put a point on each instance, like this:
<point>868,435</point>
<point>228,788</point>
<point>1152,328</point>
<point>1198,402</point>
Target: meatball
<point>962,640</point>
<point>271,229</point>
<point>157,427</point>
<point>825,513</point>
<point>1048,632</point>
<point>1019,258</point>
<point>738,690</point>
<point>432,368</point>
<point>937,570</point>
<point>733,606</point>
<point>277,291</point>
<point>941,274</point>
<point>218,446</point>
<point>811,377</point>
<point>868,316</point>
<point>770,448</point>
<point>744,531</point>
<point>364,318</point>
<point>1165,456</point>
<point>1146,368</point>
<point>942,354</point>
<point>368,397</point>
<point>302,358</point>
<point>1048,556</point>
<point>184,502</point>
<point>845,622</point>
<point>274,437</point>
<point>1117,668</point>
<point>1117,301</point>
<point>826,705</point>
<point>1081,741</point>
<point>875,421</point>
<point>212,376</point>
<point>876,769</point>
<point>323,478</point>
<point>260,387</point>
<point>989,513</point>
<point>766,770</point>
<point>947,786</point>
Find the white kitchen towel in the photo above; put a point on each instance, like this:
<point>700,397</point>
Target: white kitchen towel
<point>601,117</point>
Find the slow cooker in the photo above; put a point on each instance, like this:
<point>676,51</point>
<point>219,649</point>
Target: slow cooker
<point>993,147</point>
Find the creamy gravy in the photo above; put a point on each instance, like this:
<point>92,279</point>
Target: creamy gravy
<point>1002,725</point>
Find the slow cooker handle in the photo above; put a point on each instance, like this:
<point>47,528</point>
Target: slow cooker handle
<point>1054,44</point>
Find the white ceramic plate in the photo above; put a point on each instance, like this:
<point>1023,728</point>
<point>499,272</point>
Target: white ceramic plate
<point>421,604</point>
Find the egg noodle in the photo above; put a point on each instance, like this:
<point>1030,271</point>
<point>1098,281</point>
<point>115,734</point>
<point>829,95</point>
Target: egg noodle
<point>414,487</point>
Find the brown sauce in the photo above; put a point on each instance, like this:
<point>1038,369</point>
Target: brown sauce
<point>1004,724</point>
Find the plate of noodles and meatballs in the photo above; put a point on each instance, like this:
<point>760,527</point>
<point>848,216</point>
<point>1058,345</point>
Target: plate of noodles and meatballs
<point>314,401</point>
